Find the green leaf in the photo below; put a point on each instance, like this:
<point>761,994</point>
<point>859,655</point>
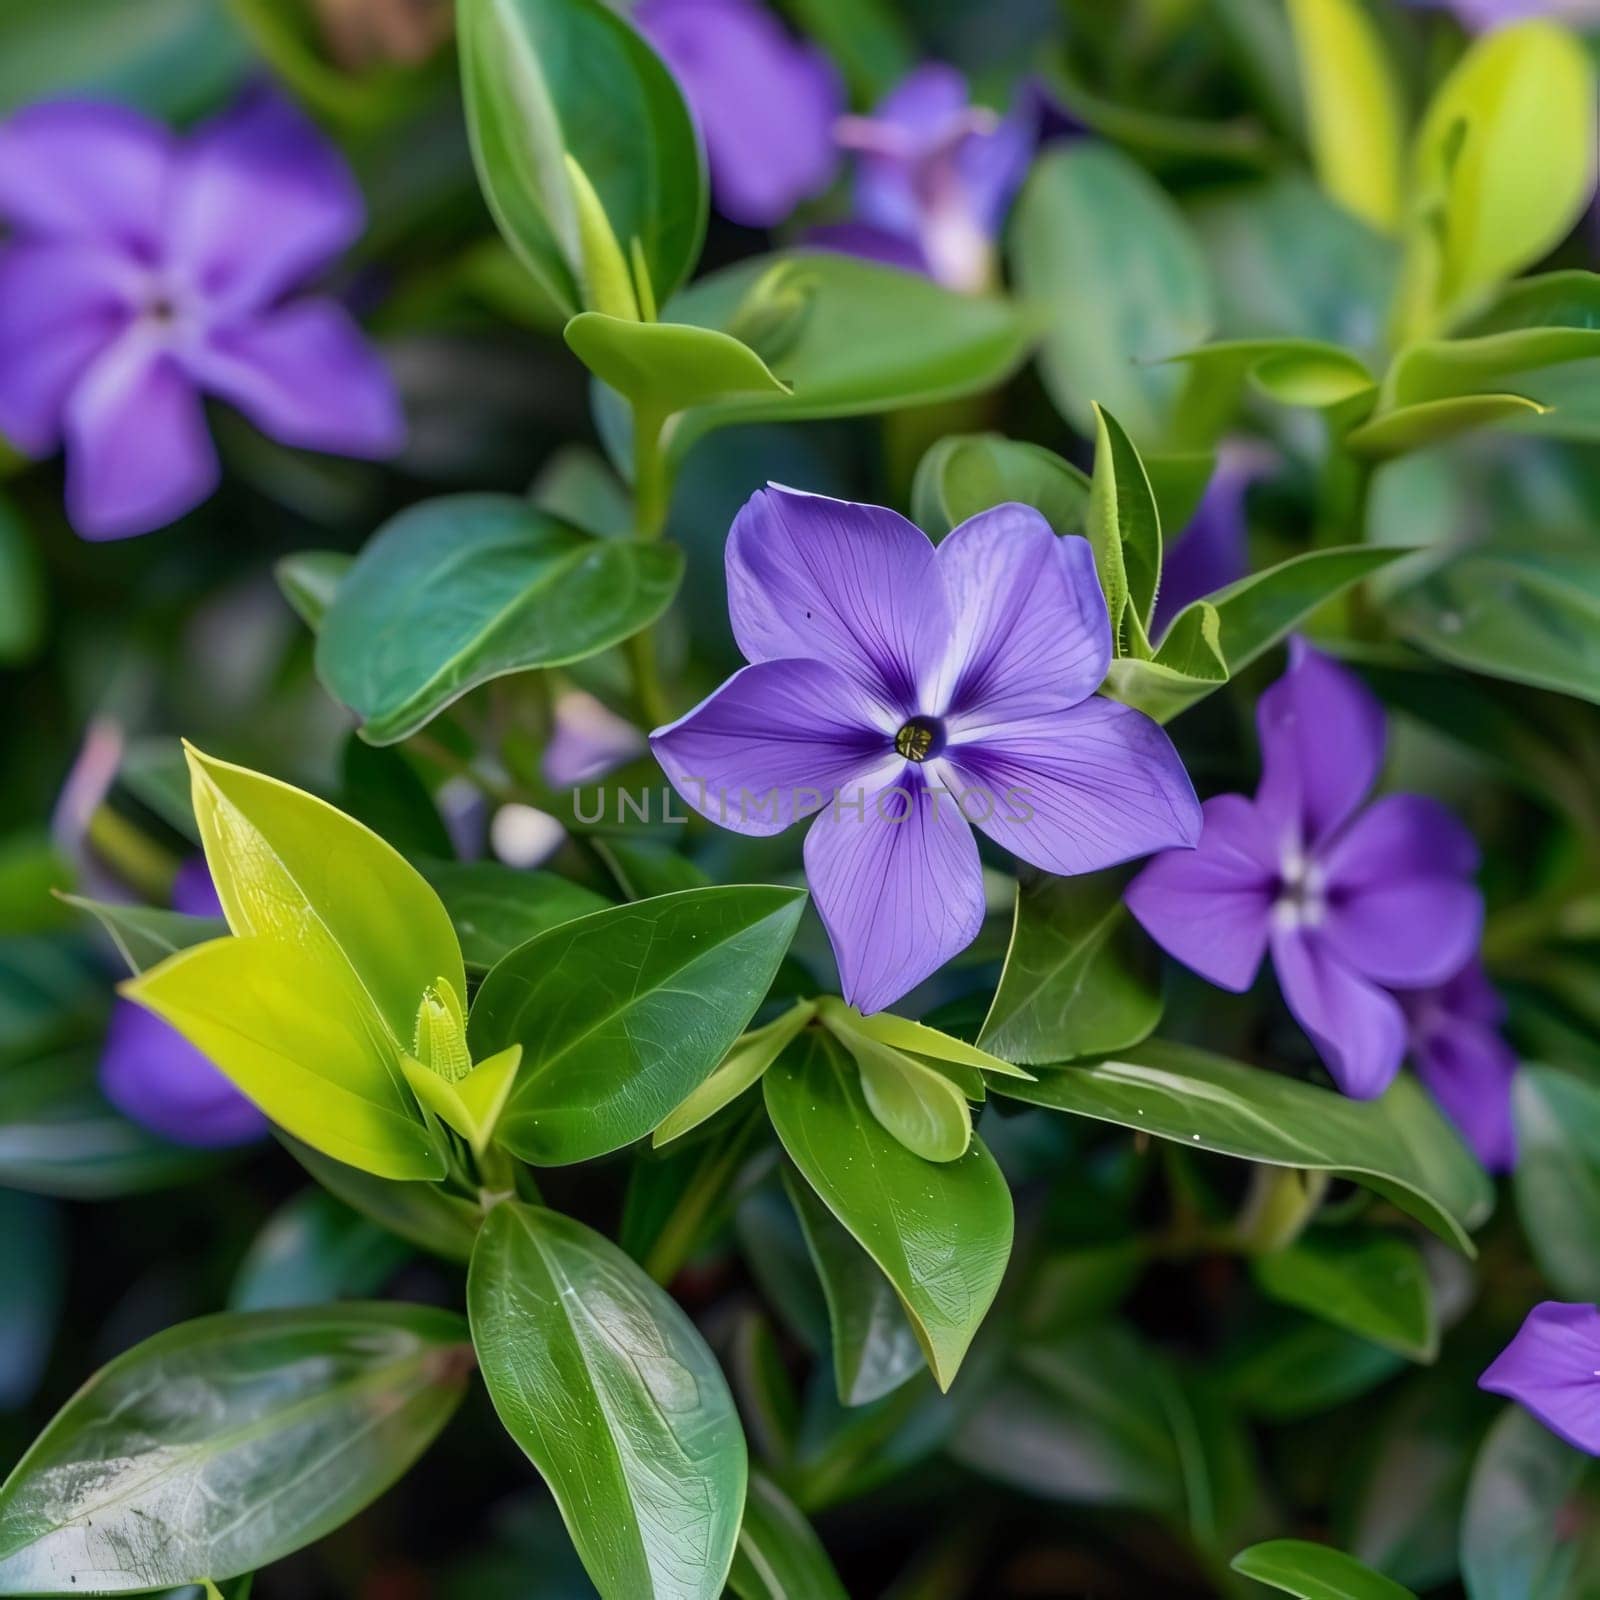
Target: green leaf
<point>1526,1530</point>
<point>145,935</point>
<point>1557,1177</point>
<point>612,1394</point>
<point>495,908</point>
<point>1101,247</point>
<point>916,1038</point>
<point>1079,980</point>
<point>1125,530</point>
<point>549,79</point>
<point>312,1250</point>
<point>921,1108</point>
<point>309,580</point>
<point>1296,1368</point>
<point>779,1556</point>
<point>23,602</point>
<point>1292,371</point>
<point>643,869</point>
<point>1504,160</point>
<point>291,1422</point>
<point>1353,106</point>
<point>941,1233</point>
<point>1528,615</point>
<point>875,1349</point>
<point>742,1067</point>
<point>1399,1146</point>
<point>665,367</point>
<point>968,473</point>
<point>1373,1284</point>
<point>1395,433</point>
<point>622,1014</point>
<point>472,1103</point>
<point>455,592</point>
<point>1315,1572</point>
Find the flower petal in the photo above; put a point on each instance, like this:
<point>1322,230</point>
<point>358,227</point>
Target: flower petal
<point>1211,907</point>
<point>61,304</point>
<point>897,883</point>
<point>1212,551</point>
<point>1358,1028</point>
<point>193,891</point>
<point>307,376</point>
<point>261,201</point>
<point>588,740</point>
<point>869,243</point>
<point>81,170</point>
<point>1030,629</point>
<point>152,1074</point>
<point>1550,1370</point>
<point>1322,739</point>
<point>830,580</point>
<point>773,744</point>
<point>1079,789</point>
<point>1401,907</point>
<point>1469,1069</point>
<point>138,454</point>
<point>766,103</point>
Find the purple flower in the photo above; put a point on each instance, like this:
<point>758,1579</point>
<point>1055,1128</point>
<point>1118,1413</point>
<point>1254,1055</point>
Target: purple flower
<point>587,741</point>
<point>143,271</point>
<point>902,692</point>
<point>936,177</point>
<point>1552,1369</point>
<point>1351,902</point>
<point>1459,1054</point>
<point>1481,15</point>
<point>766,104</point>
<point>152,1074</point>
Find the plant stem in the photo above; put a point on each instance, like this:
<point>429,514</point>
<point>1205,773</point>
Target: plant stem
<point>651,497</point>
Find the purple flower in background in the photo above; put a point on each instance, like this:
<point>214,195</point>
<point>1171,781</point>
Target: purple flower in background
<point>1351,902</point>
<point>1552,1369</point>
<point>765,102</point>
<point>588,741</point>
<point>936,177</point>
<point>152,1074</point>
<point>1482,15</point>
<point>1469,1069</point>
<point>901,692</point>
<point>144,270</point>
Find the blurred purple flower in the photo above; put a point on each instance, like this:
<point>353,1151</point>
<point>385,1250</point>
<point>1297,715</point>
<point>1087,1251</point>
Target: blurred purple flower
<point>1351,902</point>
<point>1552,1369</point>
<point>144,270</point>
<point>1212,551</point>
<point>152,1074</point>
<point>900,692</point>
<point>1469,1069</point>
<point>587,742</point>
<point>766,103</point>
<point>1481,15</point>
<point>936,177</point>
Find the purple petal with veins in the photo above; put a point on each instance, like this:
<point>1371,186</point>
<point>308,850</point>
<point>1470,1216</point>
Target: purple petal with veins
<point>1552,1370</point>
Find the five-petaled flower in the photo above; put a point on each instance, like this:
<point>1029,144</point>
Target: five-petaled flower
<point>899,691</point>
<point>144,270</point>
<point>1351,902</point>
<point>1552,1368</point>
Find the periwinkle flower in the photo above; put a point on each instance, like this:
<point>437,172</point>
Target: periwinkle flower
<point>152,1074</point>
<point>766,103</point>
<point>587,740</point>
<point>1481,15</point>
<point>1467,1066</point>
<point>903,693</point>
<point>1352,902</point>
<point>1552,1369</point>
<point>144,270</point>
<point>936,177</point>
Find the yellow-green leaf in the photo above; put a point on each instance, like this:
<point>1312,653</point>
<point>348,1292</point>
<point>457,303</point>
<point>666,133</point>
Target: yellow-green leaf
<point>472,1103</point>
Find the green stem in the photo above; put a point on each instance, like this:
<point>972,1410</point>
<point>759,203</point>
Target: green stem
<point>651,498</point>
<point>1281,1201</point>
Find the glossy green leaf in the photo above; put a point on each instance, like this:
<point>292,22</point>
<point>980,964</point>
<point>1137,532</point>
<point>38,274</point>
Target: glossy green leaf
<point>916,1038</point>
<point>312,1250</point>
<point>1400,1146</point>
<point>875,1349</point>
<point>1505,156</point>
<point>1292,1368</point>
<point>309,580</point>
<point>1394,433</point>
<point>454,592</point>
<point>291,1422</point>
<point>779,1556</point>
<point>1372,1284</point>
<point>1079,979</point>
<point>968,473</point>
<point>1292,371</point>
<point>1101,247</point>
<point>472,1103</point>
<point>612,1394</point>
<point>622,1014</point>
<point>665,367</point>
<point>1557,1177</point>
<point>921,1108</point>
<point>495,908</point>
<point>145,935</point>
<point>1315,1572</point>
<point>1528,615</point>
<point>549,79</point>
<point>1445,368</point>
<point>1353,107</point>
<point>742,1067</point>
<point>941,1233</point>
<point>1124,527</point>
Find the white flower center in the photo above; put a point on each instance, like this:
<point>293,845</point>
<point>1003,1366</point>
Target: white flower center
<point>1302,896</point>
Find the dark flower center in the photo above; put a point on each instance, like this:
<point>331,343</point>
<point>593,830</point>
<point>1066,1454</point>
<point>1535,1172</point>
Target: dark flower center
<point>921,739</point>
